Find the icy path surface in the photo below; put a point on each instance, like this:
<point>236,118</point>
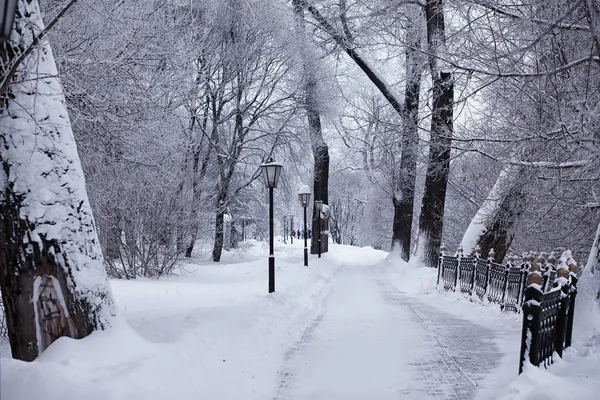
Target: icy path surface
<point>373,342</point>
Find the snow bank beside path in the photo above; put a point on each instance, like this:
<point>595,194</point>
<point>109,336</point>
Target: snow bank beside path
<point>212,333</point>
<point>576,375</point>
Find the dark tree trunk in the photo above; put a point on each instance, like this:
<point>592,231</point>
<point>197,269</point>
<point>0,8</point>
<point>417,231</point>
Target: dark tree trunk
<point>404,202</point>
<point>499,233</point>
<point>319,147</point>
<point>219,232</point>
<point>431,220</point>
<point>320,190</point>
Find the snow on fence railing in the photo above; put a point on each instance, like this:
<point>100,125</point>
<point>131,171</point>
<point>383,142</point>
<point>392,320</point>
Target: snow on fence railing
<point>548,316</point>
<point>544,290</point>
<point>475,276</point>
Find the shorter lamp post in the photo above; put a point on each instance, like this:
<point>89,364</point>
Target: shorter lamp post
<point>270,173</point>
<point>291,229</point>
<point>319,208</point>
<point>7,16</point>
<point>304,196</point>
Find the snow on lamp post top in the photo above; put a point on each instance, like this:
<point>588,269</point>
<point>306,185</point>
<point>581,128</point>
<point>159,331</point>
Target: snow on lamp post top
<point>7,15</point>
<point>270,173</point>
<point>304,195</point>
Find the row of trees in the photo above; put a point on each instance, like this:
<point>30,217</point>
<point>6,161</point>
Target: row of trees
<point>455,111</point>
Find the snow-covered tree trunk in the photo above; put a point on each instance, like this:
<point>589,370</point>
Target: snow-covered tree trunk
<point>52,275</point>
<point>319,147</point>
<point>404,191</point>
<point>491,226</point>
<point>431,219</point>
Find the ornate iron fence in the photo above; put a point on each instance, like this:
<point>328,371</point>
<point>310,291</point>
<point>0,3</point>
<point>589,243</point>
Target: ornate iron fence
<point>545,293</point>
<point>475,276</point>
<point>548,317</point>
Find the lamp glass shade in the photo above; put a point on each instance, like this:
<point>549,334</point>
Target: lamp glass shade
<point>304,199</point>
<point>270,172</point>
<point>7,15</point>
<point>319,205</point>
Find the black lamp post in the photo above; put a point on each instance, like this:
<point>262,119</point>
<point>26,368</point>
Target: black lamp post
<point>304,196</point>
<point>270,173</point>
<point>7,16</point>
<point>319,208</point>
<point>291,229</point>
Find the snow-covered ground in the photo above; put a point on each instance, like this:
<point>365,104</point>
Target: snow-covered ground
<point>352,325</point>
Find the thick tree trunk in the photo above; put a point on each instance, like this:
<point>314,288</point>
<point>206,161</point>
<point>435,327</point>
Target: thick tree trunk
<point>404,190</point>
<point>491,227</point>
<point>319,147</point>
<point>52,275</point>
<point>431,220</point>
<point>219,234</point>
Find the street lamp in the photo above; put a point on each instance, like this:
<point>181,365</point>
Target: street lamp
<point>7,16</point>
<point>291,229</point>
<point>319,208</point>
<point>270,173</point>
<point>304,196</point>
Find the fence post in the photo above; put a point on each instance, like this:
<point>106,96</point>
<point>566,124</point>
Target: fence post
<point>505,290</point>
<point>488,269</point>
<point>440,263</point>
<point>574,279</point>
<point>459,254</point>
<point>530,336</point>
<point>562,275</point>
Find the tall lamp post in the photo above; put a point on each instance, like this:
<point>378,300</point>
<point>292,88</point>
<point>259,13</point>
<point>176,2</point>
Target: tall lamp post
<point>270,173</point>
<point>7,16</point>
<point>304,196</point>
<point>319,208</point>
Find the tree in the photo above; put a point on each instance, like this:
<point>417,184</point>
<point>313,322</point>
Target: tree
<point>51,269</point>
<point>319,147</point>
<point>431,219</point>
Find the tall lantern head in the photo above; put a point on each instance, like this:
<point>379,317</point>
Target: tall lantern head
<point>270,173</point>
<point>319,205</point>
<point>304,195</point>
<point>7,16</point>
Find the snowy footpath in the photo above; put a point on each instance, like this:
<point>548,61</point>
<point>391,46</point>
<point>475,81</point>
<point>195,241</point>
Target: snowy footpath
<point>352,325</point>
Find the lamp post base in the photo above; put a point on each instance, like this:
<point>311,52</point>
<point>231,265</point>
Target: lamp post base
<point>271,273</point>
<point>319,247</point>
<point>306,257</point>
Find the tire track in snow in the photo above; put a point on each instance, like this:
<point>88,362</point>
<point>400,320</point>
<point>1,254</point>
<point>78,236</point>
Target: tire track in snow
<point>460,355</point>
<point>286,374</point>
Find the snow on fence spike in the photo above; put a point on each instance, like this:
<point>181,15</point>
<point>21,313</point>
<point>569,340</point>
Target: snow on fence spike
<point>547,314</point>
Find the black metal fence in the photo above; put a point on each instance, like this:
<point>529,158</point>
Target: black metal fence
<point>543,288</point>
<point>547,317</point>
<point>474,276</point>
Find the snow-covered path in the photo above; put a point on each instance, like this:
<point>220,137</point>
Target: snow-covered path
<point>372,341</point>
<point>350,326</point>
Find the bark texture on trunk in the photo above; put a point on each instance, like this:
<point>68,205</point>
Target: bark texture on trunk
<point>319,147</point>
<point>431,220</point>
<point>52,275</point>
<point>498,234</point>
<point>404,190</point>
<point>492,225</point>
